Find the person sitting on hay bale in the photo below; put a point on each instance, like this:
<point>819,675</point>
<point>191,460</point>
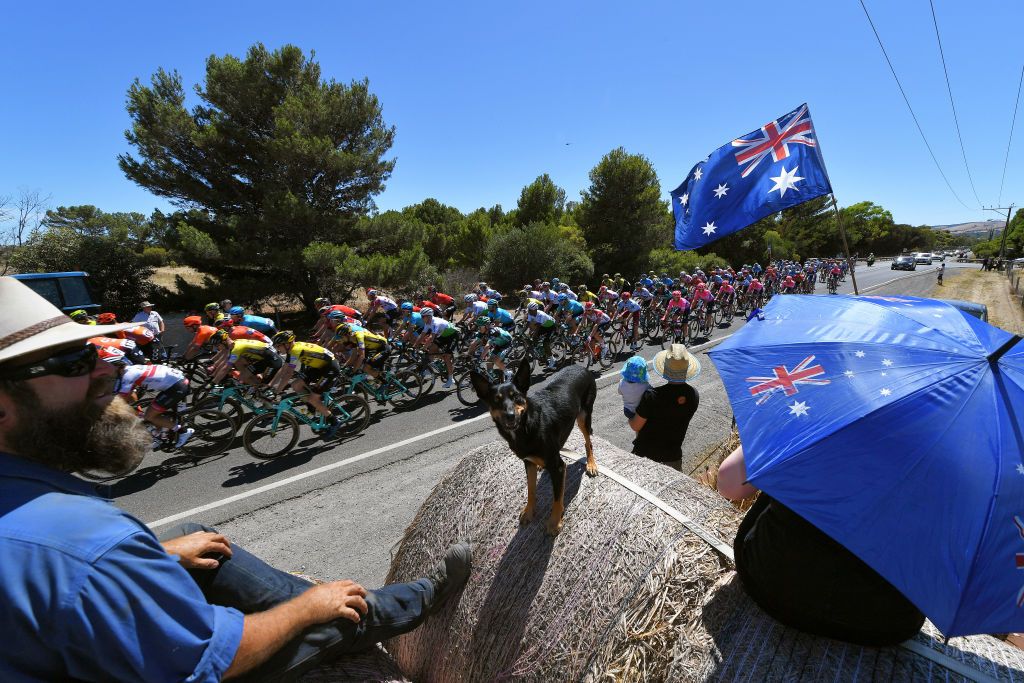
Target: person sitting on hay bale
<point>803,578</point>
<point>88,592</point>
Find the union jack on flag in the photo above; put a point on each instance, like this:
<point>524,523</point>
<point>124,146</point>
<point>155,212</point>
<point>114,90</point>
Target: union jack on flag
<point>787,380</point>
<point>774,138</point>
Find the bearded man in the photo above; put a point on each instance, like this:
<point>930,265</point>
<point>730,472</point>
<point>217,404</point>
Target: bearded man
<point>88,592</point>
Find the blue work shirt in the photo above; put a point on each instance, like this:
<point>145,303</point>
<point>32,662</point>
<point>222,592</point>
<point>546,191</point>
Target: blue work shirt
<point>87,592</point>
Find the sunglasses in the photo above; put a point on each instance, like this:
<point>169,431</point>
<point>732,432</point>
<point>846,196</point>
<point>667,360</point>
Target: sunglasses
<point>66,364</point>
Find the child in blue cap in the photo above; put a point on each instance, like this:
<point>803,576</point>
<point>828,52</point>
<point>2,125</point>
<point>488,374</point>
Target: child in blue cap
<point>633,384</point>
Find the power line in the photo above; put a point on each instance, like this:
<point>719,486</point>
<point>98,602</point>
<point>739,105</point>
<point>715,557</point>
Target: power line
<point>912,114</point>
<point>949,89</point>
<point>1012,121</point>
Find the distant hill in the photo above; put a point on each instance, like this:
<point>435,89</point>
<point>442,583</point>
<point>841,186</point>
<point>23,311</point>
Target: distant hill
<point>973,228</point>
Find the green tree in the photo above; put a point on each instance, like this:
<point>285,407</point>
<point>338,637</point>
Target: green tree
<point>622,214</point>
<point>274,157</point>
<point>541,201</point>
<point>517,255</point>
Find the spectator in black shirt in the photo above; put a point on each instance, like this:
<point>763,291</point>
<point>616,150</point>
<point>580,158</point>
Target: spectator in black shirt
<point>664,413</point>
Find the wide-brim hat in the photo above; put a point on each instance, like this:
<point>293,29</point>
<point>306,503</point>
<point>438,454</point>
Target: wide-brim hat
<point>146,304</point>
<point>30,323</point>
<point>676,364</point>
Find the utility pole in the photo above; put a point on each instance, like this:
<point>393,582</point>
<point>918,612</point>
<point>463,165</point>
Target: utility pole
<point>1006,228</point>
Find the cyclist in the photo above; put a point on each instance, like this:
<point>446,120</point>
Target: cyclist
<point>169,383</point>
<point>438,336</point>
<point>411,323</point>
<point>564,288</point>
<point>311,370</point>
<point>259,323</point>
<point>474,308</point>
<point>788,285</point>
<point>570,310</point>
<point>389,311</point>
<point>703,301</point>
<point>542,326</point>
<point>498,343</point>
<point>833,277</point>
<point>126,347</point>
<point>255,361</point>
<point>726,295</point>
<point>629,310</point>
<point>140,334</point>
<point>755,293</point>
<point>584,295</point>
<point>501,317</point>
<point>81,317</point>
<point>444,303</point>
<point>213,313</point>
<point>599,322</point>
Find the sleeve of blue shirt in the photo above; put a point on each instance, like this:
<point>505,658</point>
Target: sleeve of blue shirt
<point>138,616</point>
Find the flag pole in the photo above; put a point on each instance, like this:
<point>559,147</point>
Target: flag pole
<point>846,246</point>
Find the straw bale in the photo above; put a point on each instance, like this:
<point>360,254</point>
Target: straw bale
<point>372,666</point>
<point>624,593</point>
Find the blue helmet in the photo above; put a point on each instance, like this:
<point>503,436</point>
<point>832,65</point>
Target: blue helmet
<point>336,315</point>
<point>406,306</point>
<point>236,310</point>
<point>562,298</point>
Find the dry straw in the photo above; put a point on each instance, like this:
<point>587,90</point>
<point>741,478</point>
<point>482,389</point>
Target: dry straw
<point>625,593</point>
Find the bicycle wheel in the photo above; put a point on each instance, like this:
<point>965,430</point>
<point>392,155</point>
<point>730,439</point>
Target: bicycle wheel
<point>232,407</point>
<point>559,352</point>
<point>464,390</point>
<point>694,328</point>
<point>608,354</point>
<point>407,387</point>
<point>265,440</point>
<point>214,432</point>
<point>728,314</point>
<point>353,411</point>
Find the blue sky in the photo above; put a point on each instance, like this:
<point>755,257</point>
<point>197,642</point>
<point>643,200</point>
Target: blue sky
<point>484,97</point>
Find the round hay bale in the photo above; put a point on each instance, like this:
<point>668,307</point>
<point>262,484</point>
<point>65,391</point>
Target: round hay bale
<point>624,593</point>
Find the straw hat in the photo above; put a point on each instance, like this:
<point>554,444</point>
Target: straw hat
<point>676,364</point>
<point>30,323</point>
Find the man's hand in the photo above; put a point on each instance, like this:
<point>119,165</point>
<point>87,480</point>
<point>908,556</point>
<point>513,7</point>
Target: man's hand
<point>329,601</point>
<point>191,548</point>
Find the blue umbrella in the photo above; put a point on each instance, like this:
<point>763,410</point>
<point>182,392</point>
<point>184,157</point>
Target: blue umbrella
<point>893,424</point>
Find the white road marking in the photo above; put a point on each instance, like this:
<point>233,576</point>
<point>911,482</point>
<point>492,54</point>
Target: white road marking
<point>405,442</point>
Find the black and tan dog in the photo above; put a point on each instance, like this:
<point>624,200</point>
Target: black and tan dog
<point>537,425</point>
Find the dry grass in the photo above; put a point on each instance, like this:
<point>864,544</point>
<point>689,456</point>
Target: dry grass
<point>989,288</point>
<point>708,462</point>
<point>166,277</point>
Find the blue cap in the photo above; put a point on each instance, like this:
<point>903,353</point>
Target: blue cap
<point>635,370</point>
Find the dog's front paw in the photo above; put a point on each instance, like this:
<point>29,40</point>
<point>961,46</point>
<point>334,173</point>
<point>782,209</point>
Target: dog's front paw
<point>526,516</point>
<point>554,526</point>
<point>592,469</point>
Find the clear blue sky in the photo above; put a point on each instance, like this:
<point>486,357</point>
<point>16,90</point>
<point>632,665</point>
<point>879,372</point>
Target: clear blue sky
<point>485,96</point>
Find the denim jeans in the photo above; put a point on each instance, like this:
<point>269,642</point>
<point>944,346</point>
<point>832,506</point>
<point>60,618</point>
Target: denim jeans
<point>250,585</point>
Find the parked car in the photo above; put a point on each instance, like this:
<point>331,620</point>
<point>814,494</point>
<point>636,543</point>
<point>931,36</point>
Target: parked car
<point>67,291</point>
<point>938,256</point>
<point>979,311</point>
<point>903,263</point>
<point>923,257</point>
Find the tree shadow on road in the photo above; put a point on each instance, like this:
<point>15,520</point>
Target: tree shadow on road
<point>258,470</point>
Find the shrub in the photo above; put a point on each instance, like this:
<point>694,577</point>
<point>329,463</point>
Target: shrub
<point>155,256</point>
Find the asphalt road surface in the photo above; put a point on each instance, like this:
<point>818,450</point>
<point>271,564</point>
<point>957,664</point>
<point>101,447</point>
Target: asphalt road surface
<point>337,511</point>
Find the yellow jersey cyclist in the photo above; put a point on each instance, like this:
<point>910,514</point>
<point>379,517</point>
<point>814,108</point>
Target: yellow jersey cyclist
<point>311,369</point>
<point>255,361</point>
<point>438,337</point>
<point>367,351</point>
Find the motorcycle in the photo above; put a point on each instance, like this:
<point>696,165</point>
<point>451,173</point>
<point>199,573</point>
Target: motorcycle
<point>871,260</point>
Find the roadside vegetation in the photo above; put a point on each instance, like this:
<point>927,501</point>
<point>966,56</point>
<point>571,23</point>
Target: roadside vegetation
<point>273,172</point>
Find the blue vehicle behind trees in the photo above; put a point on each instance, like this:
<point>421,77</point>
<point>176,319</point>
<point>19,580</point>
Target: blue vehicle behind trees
<point>68,291</point>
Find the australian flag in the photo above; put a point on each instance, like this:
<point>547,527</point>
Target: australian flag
<point>775,167</point>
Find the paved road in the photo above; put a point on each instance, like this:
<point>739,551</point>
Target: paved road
<point>347,505</point>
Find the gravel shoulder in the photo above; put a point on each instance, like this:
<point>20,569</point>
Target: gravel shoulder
<point>989,288</point>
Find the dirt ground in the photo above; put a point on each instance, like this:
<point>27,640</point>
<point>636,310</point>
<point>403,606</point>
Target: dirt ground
<point>991,289</point>
<point>165,276</point>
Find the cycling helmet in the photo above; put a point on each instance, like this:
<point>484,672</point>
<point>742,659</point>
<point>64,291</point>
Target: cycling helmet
<point>492,303</point>
<point>676,294</point>
<point>427,312</point>
<point>371,293</point>
<point>111,354</point>
<point>495,296</point>
<point>588,306</point>
<point>324,310</point>
<point>483,285</point>
<point>562,298</point>
<point>406,306</point>
<point>432,289</point>
<point>236,310</point>
<point>532,308</point>
<point>212,307</point>
<point>106,319</point>
<point>226,323</point>
<point>545,284</point>
<point>219,337</point>
<point>336,315</point>
<point>79,315</point>
<point>322,302</point>
<point>482,321</point>
<point>555,281</point>
<point>625,295</point>
<point>284,337</point>
<point>469,298</point>
<point>563,286</point>
<point>192,321</point>
<point>602,289</point>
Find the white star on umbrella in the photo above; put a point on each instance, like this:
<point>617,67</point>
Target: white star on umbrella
<point>710,228</point>
<point>885,392</point>
<point>849,373</point>
<point>859,354</point>
<point>798,408</point>
<point>685,198</point>
<point>721,190</point>
<point>786,181</point>
<point>698,173</point>
<point>885,374</point>
<point>886,362</point>
<point>1020,469</point>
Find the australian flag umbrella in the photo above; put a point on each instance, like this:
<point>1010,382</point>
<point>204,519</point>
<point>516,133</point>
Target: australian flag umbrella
<point>775,167</point>
<point>894,425</point>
